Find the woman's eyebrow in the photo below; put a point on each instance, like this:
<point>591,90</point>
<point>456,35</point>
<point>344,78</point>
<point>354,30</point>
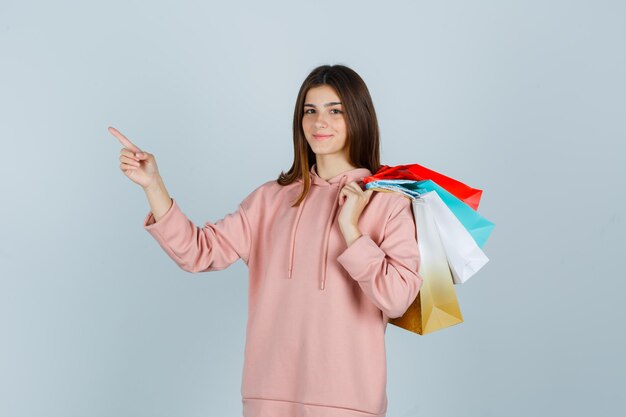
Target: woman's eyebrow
<point>332,103</point>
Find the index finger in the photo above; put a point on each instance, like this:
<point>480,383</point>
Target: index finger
<point>124,139</point>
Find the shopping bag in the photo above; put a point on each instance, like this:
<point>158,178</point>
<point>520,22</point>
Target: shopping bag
<point>464,256</point>
<point>470,196</point>
<point>478,227</point>
<point>436,306</point>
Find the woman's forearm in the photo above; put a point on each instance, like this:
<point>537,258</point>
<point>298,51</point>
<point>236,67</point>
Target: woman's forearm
<point>159,199</point>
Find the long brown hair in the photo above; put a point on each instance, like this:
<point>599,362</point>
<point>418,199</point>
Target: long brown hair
<point>362,125</point>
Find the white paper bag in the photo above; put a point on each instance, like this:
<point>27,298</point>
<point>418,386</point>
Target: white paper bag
<point>465,257</point>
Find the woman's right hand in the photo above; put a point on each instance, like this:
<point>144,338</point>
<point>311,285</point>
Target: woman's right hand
<point>140,167</point>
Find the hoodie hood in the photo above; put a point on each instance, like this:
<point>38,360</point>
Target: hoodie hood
<point>336,183</point>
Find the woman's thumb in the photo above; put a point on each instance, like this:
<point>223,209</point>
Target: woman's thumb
<point>141,155</point>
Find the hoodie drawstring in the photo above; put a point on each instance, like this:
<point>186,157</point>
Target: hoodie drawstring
<point>331,220</point>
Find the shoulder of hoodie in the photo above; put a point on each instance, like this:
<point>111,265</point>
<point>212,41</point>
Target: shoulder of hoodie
<point>264,194</point>
<point>390,204</point>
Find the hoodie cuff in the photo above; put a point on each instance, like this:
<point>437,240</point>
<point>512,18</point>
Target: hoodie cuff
<point>356,257</point>
<point>149,223</point>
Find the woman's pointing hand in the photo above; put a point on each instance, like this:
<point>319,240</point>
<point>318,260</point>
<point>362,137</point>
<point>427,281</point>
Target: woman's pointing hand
<point>140,167</point>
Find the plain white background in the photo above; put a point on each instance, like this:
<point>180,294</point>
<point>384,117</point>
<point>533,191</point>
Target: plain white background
<point>524,100</point>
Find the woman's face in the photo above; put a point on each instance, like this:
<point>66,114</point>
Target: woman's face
<point>323,122</point>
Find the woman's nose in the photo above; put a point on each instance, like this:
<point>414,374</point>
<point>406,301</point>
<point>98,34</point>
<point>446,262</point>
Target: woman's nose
<point>320,120</point>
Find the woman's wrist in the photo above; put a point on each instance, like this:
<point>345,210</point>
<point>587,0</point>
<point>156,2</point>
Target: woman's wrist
<point>158,198</point>
<point>350,233</point>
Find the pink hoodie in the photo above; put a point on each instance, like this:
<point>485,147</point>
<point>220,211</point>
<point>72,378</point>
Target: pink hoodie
<point>317,309</point>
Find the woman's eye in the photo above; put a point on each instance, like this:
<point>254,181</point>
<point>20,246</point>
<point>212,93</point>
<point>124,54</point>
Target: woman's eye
<point>307,111</point>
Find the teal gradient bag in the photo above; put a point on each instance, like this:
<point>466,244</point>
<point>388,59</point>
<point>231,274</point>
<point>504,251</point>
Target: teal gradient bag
<point>478,227</point>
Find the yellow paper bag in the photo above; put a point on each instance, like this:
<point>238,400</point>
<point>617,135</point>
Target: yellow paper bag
<point>436,306</point>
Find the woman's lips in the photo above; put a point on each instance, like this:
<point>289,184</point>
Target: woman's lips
<point>321,137</point>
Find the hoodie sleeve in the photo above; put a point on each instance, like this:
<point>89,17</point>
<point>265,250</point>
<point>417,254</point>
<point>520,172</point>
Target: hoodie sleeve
<point>388,274</point>
<point>212,247</point>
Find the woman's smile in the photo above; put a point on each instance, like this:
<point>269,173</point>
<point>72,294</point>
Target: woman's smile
<point>322,137</point>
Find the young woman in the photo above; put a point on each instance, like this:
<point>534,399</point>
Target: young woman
<point>329,262</point>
